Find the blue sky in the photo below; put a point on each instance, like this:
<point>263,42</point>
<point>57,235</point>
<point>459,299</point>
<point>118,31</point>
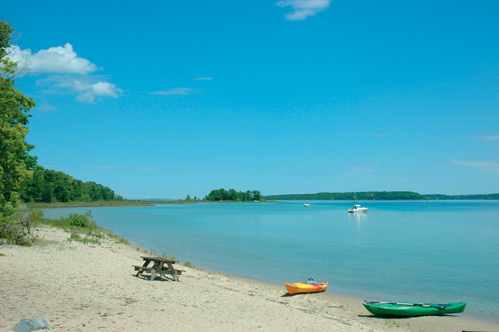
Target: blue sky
<point>169,98</point>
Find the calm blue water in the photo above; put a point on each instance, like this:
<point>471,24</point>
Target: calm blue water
<point>397,251</point>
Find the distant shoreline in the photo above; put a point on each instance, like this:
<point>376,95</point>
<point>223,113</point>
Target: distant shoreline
<point>126,203</point>
<point>268,199</point>
<point>378,196</point>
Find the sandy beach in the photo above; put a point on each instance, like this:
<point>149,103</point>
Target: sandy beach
<point>88,287</point>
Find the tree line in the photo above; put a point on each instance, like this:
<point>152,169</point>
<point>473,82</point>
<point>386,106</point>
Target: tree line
<point>233,195</point>
<point>50,186</point>
<point>462,197</point>
<point>349,196</point>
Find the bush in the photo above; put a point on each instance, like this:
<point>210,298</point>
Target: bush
<point>19,232</point>
<point>81,221</point>
<point>77,221</point>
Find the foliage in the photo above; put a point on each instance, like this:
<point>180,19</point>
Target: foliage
<point>363,196</point>
<point>75,221</point>
<point>232,195</point>
<point>19,231</point>
<point>15,162</point>
<point>467,197</point>
<point>48,186</point>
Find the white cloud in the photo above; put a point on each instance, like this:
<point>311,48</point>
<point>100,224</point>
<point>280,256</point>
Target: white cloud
<point>89,88</point>
<point>64,60</point>
<point>203,79</point>
<point>60,60</point>
<point>176,91</point>
<point>304,8</point>
<point>483,166</point>
<point>98,90</point>
<point>489,138</point>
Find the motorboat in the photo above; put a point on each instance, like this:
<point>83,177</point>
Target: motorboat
<point>357,208</point>
<point>306,205</point>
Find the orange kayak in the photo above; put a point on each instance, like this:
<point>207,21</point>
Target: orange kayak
<point>300,287</point>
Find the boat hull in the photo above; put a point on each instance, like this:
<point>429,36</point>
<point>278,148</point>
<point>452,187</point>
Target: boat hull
<point>300,288</point>
<point>413,309</point>
<point>357,210</point>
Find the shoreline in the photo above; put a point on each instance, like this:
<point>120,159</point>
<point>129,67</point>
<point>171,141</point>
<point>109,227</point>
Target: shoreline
<point>85,287</point>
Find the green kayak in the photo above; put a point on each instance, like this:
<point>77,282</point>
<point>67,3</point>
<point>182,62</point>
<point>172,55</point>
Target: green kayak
<point>413,309</point>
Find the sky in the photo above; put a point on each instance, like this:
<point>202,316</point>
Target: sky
<point>164,99</point>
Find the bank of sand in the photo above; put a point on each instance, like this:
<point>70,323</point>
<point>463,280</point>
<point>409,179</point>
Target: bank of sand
<point>84,287</point>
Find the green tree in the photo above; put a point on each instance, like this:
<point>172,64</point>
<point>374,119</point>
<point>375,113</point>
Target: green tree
<point>15,162</point>
<point>257,196</point>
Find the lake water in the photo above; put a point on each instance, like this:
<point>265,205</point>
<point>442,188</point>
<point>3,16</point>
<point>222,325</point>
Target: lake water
<point>439,251</point>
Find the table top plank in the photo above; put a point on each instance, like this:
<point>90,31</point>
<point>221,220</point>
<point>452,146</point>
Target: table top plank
<point>159,259</point>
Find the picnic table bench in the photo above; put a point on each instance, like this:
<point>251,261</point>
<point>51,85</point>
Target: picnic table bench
<point>160,266</point>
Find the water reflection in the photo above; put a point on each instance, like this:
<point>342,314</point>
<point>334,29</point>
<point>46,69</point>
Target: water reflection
<point>357,217</point>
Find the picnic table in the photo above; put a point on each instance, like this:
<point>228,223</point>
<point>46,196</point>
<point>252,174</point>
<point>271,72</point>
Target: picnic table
<point>160,266</point>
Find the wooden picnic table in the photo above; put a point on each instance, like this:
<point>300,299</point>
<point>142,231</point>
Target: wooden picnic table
<point>160,266</point>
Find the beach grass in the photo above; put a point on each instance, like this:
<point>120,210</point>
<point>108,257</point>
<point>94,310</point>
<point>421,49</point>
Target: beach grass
<point>85,230</point>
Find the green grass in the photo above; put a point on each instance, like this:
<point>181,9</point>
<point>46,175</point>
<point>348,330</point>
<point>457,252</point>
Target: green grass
<point>107,203</point>
<point>83,224</point>
<point>85,240</point>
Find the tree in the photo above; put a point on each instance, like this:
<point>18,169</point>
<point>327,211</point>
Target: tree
<point>15,162</point>
<point>257,196</point>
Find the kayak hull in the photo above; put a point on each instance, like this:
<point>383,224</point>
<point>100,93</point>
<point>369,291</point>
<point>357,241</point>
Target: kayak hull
<point>300,288</point>
<point>413,309</point>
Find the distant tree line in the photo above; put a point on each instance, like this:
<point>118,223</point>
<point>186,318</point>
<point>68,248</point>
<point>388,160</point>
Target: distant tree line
<point>233,195</point>
<point>349,196</point>
<point>48,186</point>
<point>462,197</point>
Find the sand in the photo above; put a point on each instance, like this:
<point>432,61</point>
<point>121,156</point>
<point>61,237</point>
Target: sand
<point>85,287</point>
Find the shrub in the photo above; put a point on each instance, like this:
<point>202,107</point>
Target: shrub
<point>81,221</point>
<point>19,232</point>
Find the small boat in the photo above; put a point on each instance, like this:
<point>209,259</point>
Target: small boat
<point>306,205</point>
<point>357,208</point>
<point>300,287</point>
<point>413,309</point>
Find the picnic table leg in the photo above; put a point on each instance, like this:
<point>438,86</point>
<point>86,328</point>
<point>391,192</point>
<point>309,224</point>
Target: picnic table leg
<point>143,265</point>
<point>155,268</point>
<point>162,270</point>
<point>172,271</point>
